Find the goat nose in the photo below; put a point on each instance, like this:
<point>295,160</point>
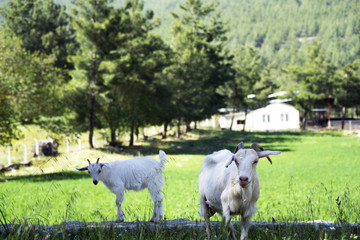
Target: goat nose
<point>95,182</point>
<point>244,179</point>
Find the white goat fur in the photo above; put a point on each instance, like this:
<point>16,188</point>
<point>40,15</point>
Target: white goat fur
<point>132,174</point>
<point>230,190</point>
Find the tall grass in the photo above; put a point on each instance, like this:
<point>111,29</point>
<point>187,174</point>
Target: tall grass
<point>315,177</point>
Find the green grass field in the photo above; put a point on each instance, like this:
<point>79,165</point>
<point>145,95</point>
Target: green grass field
<point>315,177</point>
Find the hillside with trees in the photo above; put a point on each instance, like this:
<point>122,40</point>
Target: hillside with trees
<point>280,28</point>
<point>123,65</point>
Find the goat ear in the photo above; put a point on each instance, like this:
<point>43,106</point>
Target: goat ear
<point>82,169</point>
<point>231,159</point>
<point>105,164</point>
<point>239,146</point>
<point>267,153</point>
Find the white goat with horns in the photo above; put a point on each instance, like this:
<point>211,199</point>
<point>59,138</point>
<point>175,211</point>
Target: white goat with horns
<point>132,174</point>
<point>229,185</point>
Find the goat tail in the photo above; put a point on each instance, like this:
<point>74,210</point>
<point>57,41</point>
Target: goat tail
<point>163,158</point>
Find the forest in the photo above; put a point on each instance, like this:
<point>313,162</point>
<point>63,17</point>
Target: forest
<point>76,66</point>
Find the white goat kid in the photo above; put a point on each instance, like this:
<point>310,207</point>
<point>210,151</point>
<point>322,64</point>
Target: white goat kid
<point>132,174</point>
<point>229,185</point>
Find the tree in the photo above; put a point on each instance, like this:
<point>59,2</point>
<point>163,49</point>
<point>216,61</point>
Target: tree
<point>96,24</point>
<point>33,83</point>
<point>247,72</point>
<point>311,84</point>
<point>200,62</point>
<point>30,85</point>
<point>39,65</point>
<point>8,117</point>
<point>347,87</point>
<point>133,70</point>
<point>43,26</point>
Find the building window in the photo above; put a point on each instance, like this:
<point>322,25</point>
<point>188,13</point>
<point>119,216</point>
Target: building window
<point>239,122</point>
<point>284,117</point>
<point>266,118</point>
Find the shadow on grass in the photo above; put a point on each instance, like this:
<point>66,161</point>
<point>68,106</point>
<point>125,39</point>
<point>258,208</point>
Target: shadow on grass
<point>212,140</point>
<point>206,142</point>
<point>49,176</point>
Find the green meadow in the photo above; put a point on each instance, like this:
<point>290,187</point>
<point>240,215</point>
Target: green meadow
<point>315,177</point>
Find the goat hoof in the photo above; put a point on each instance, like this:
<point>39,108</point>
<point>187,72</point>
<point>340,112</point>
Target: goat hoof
<point>119,220</point>
<point>153,220</point>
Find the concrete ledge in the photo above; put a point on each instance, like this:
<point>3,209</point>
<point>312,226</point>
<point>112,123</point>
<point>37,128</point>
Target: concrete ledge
<point>177,224</point>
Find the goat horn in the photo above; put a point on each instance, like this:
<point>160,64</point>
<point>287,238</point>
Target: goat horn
<point>97,161</point>
<point>256,146</point>
<point>239,146</point>
<point>89,161</point>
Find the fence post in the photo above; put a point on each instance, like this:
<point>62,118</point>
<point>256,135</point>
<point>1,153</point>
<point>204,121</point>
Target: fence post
<point>25,152</point>
<point>67,144</point>
<point>350,125</point>
<point>9,153</point>
<point>77,137</point>
<point>79,141</point>
<point>36,147</point>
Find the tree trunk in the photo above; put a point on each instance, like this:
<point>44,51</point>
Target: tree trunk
<point>92,120</point>
<point>137,132</point>
<point>178,128</point>
<point>232,121</point>
<point>92,102</point>
<point>187,128</point>
<point>343,118</point>
<point>112,136</point>
<point>303,123</point>
<point>245,119</point>
<point>131,142</point>
<point>164,135</point>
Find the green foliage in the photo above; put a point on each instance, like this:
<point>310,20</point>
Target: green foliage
<point>27,80</point>
<point>200,62</point>
<point>8,117</point>
<point>95,26</point>
<point>43,27</point>
<point>248,70</point>
<point>134,91</point>
<point>279,29</point>
<point>312,83</point>
<point>125,76</point>
<point>348,85</point>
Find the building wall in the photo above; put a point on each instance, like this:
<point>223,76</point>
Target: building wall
<point>274,117</point>
<point>238,121</point>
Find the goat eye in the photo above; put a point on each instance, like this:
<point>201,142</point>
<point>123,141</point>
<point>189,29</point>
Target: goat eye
<point>255,162</point>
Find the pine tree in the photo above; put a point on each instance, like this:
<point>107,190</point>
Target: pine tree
<point>313,83</point>
<point>200,62</point>
<point>43,26</point>
<point>133,70</point>
<point>94,22</point>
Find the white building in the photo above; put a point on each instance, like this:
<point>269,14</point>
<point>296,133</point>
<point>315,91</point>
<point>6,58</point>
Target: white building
<point>238,119</point>
<point>274,117</point>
